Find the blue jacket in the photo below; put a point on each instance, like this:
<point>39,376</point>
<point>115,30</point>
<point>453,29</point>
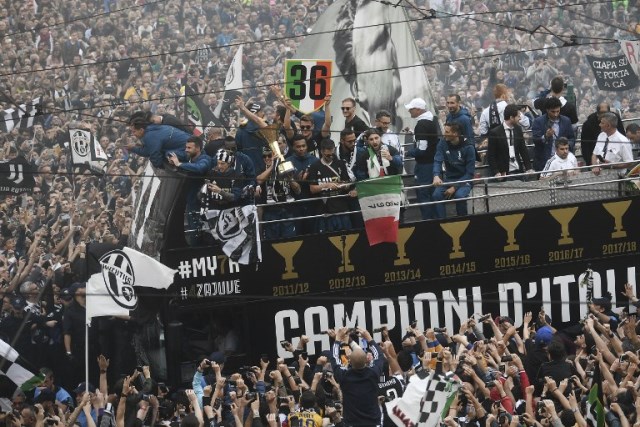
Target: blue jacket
<point>201,165</point>
<point>463,117</point>
<point>543,146</point>
<point>245,167</point>
<point>460,161</point>
<point>251,144</point>
<point>158,140</point>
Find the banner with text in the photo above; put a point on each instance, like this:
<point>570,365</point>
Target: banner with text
<point>613,74</point>
<point>313,283</point>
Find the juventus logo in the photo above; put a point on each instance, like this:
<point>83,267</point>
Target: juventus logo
<point>16,173</point>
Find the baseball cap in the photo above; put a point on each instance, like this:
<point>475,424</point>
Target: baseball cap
<point>254,107</point>
<point>83,387</point>
<point>602,302</point>
<point>18,302</point>
<point>217,356</point>
<point>223,155</point>
<point>540,56</point>
<point>416,103</point>
<point>544,335</point>
<point>66,294</point>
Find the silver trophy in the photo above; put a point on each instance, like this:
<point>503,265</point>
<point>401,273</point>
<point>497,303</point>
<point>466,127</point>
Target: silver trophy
<point>285,167</point>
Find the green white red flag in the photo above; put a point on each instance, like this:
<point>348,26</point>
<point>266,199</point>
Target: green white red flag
<point>307,82</point>
<point>379,200</point>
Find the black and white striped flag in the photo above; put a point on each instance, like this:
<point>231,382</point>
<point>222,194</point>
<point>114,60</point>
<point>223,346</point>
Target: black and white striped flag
<point>237,230</point>
<point>11,369</point>
<point>23,117</point>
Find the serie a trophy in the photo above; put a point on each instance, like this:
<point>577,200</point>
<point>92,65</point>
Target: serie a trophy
<point>285,167</point>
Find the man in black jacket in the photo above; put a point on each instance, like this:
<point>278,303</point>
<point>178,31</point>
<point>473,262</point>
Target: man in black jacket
<point>359,382</point>
<point>507,151</point>
<point>591,130</point>
<point>426,140</point>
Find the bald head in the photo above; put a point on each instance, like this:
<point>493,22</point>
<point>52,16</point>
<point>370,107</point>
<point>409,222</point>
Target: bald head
<point>358,359</point>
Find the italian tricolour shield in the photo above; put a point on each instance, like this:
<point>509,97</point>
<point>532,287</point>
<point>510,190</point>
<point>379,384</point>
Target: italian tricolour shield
<point>307,82</point>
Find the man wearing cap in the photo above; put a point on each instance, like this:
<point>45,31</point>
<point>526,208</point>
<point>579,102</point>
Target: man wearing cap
<point>157,140</point>
<point>601,308</point>
<point>276,189</point>
<point>425,136</point>
<point>14,323</point>
<point>249,141</point>
<point>224,184</point>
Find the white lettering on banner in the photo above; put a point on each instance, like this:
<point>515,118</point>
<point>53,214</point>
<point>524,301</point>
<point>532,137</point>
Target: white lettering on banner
<point>456,306</point>
<point>207,267</point>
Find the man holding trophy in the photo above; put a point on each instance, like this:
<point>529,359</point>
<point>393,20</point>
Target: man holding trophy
<point>277,188</point>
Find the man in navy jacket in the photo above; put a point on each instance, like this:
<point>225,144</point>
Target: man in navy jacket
<point>546,129</point>
<point>459,158</point>
<point>359,381</point>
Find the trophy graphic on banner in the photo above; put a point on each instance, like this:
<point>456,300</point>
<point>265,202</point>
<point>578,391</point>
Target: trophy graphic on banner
<point>285,167</point>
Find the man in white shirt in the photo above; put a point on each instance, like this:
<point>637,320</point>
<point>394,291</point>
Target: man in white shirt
<point>612,146</point>
<point>562,160</point>
<point>389,137</point>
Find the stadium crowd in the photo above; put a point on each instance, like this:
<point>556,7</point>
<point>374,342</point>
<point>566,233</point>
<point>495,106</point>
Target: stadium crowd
<point>94,65</point>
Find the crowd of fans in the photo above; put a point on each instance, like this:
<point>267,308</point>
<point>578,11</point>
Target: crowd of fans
<point>94,64</point>
<point>530,375</point>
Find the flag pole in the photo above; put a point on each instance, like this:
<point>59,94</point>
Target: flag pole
<point>86,356</point>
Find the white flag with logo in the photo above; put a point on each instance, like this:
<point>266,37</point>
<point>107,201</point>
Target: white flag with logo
<point>85,150</point>
<point>112,291</point>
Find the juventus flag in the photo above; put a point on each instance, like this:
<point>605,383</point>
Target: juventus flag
<point>85,150</point>
<point>232,89</point>
<point>237,230</point>
<point>113,290</point>
<point>16,176</point>
<point>22,117</point>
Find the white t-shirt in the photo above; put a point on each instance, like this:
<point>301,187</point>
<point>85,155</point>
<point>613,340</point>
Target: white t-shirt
<point>555,163</point>
<point>618,149</point>
<point>485,118</point>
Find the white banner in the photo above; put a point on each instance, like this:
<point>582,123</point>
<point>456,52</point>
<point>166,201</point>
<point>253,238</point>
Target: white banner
<point>112,292</point>
<point>631,49</point>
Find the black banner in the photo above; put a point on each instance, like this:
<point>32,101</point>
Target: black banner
<point>613,74</point>
<point>439,273</point>
<point>16,176</point>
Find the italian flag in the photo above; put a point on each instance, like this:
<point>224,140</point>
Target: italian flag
<point>379,200</point>
<point>302,87</point>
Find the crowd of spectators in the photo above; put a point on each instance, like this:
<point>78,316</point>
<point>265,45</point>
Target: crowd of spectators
<point>93,64</point>
<point>525,375</point>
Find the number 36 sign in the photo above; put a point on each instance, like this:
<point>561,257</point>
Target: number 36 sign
<point>307,82</point>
